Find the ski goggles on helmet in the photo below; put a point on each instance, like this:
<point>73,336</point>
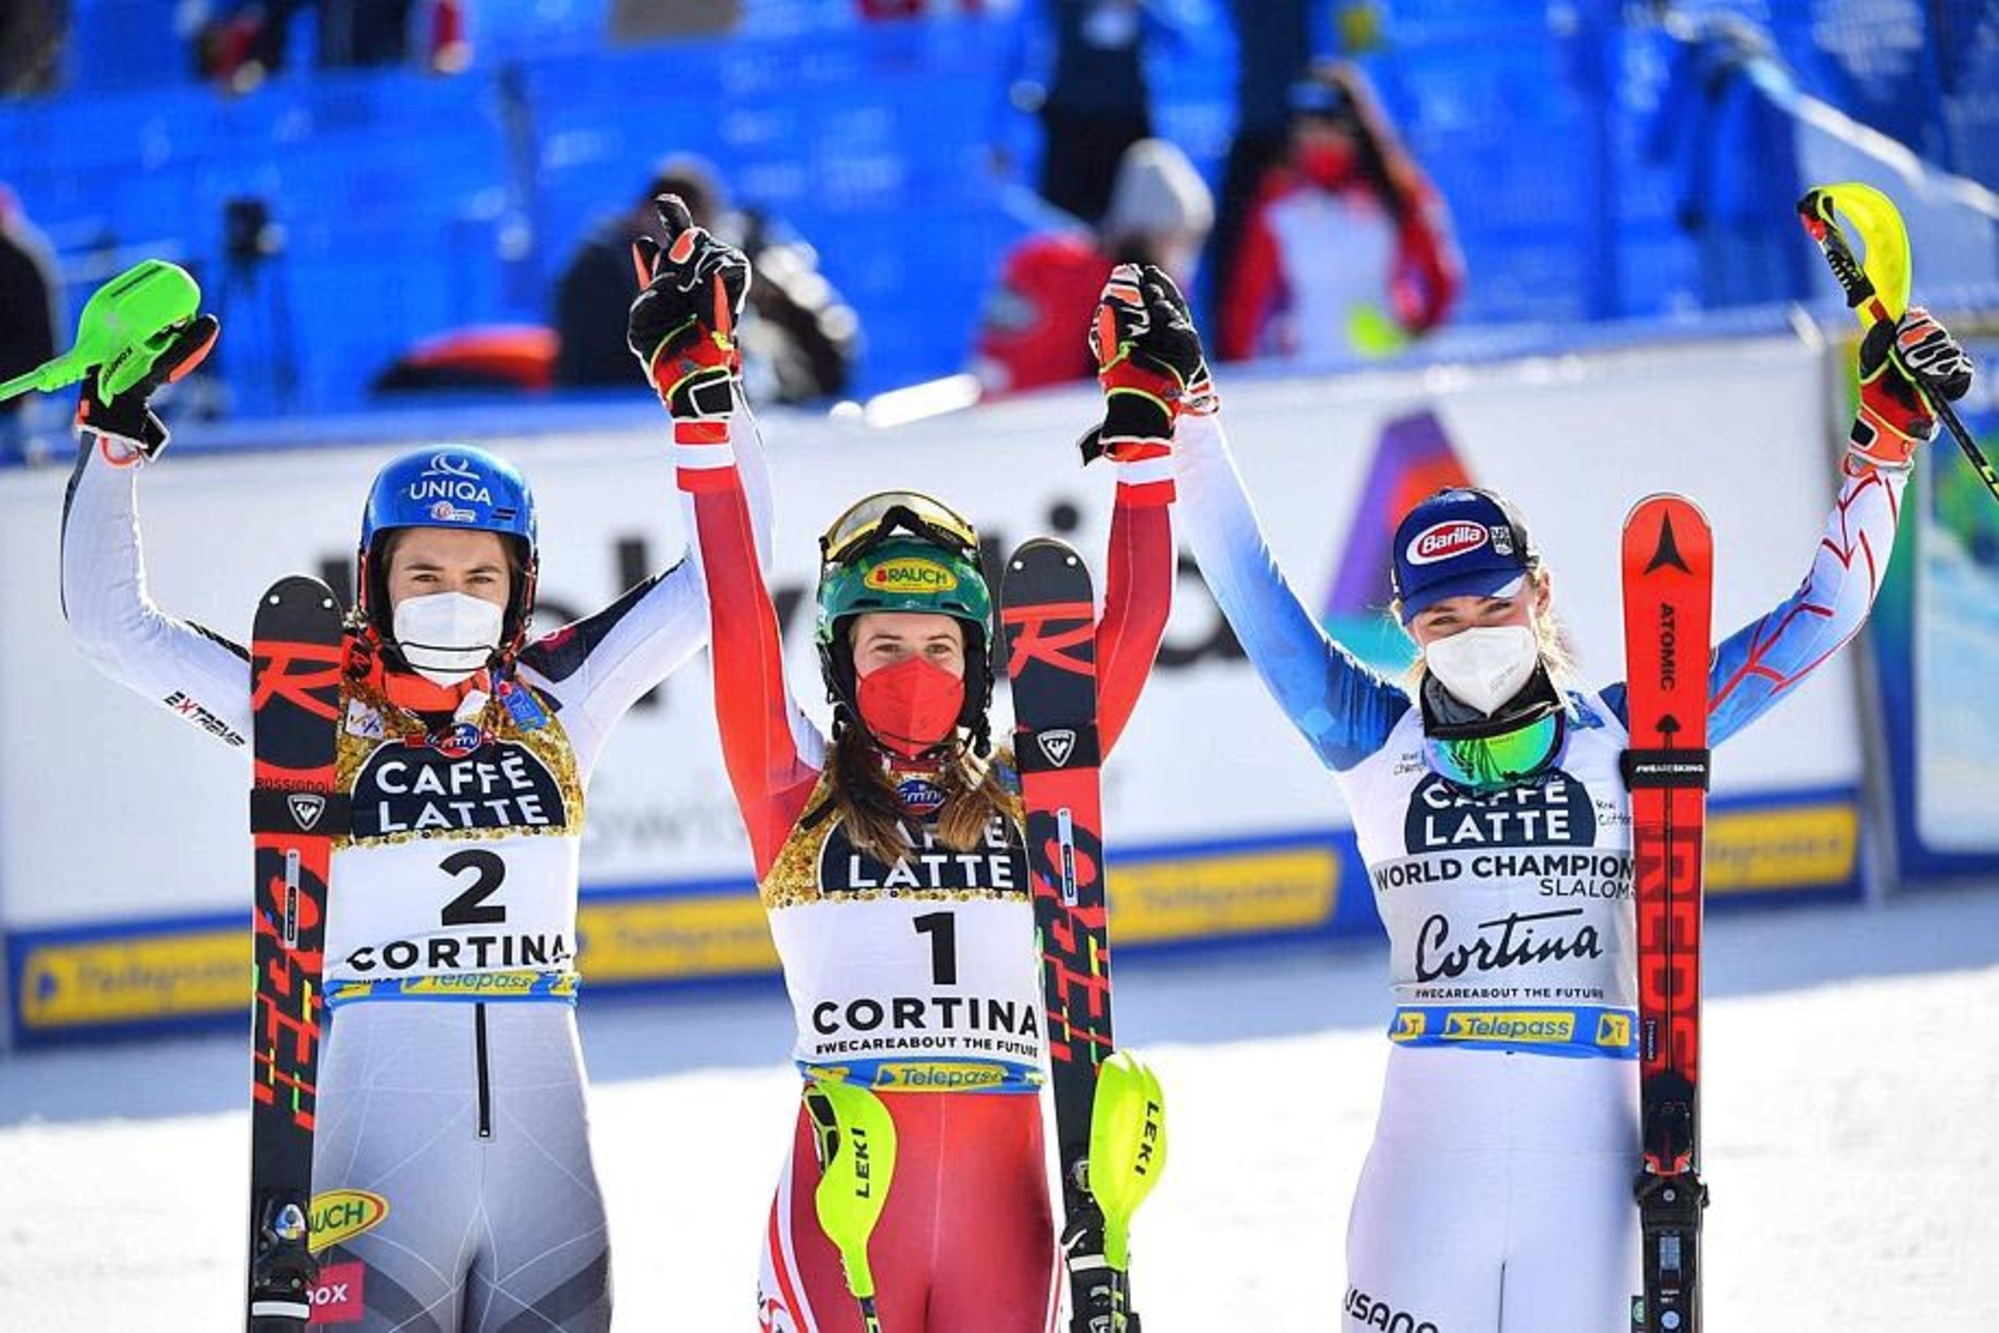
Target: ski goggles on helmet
<point>1481,764</point>
<point>876,518</point>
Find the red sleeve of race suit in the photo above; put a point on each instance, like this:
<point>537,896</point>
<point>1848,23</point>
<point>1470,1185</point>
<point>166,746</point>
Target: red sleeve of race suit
<point>1428,271</point>
<point>753,710</point>
<point>1138,591</point>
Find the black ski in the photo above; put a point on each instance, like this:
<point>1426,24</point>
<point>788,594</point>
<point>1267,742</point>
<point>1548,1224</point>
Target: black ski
<point>1050,628</point>
<point>295,812</point>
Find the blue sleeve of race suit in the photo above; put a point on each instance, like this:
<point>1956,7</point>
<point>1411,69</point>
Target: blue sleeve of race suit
<point>1345,709</point>
<point>1758,665</point>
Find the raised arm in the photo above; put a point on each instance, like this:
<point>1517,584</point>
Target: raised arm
<point>1343,708</point>
<point>1754,668</point>
<point>1138,591</point>
<point>601,665</point>
<point>683,326</point>
<point>193,671</point>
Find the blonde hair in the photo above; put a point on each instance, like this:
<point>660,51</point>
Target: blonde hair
<point>872,810</point>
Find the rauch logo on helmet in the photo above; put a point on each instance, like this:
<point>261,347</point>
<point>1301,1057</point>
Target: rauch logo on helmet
<point>911,575</point>
<point>1441,541</point>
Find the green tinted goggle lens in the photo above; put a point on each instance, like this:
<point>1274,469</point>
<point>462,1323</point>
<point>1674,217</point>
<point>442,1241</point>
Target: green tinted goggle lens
<point>1491,762</point>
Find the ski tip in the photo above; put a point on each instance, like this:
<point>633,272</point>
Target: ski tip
<point>1668,501</point>
<point>1041,550</point>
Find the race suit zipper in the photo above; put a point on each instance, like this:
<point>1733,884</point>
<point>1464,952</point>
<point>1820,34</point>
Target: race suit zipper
<point>485,1084</point>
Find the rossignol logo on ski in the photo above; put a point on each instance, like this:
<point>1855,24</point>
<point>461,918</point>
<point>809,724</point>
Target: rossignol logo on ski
<point>1441,541</point>
<point>1057,744</point>
<point>306,808</point>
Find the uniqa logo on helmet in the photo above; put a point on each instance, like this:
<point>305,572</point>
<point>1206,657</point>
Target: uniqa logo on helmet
<point>910,574</point>
<point>1442,541</point>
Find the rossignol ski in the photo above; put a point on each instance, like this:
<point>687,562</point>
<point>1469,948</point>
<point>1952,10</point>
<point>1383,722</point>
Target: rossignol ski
<point>295,812</point>
<point>1668,606</point>
<point>1050,628</point>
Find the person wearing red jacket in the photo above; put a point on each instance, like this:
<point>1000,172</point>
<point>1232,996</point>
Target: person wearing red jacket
<point>1347,249</point>
<point>1160,212</point>
<point>890,855</point>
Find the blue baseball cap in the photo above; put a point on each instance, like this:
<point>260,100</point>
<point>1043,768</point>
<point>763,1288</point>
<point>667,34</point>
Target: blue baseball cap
<point>1466,541</point>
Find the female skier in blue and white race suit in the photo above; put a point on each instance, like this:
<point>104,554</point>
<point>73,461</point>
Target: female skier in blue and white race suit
<point>1487,804</point>
<point>454,1185</point>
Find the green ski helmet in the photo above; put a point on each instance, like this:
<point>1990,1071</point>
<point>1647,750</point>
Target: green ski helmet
<point>901,551</point>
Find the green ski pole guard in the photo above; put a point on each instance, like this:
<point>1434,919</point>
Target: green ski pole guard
<point>856,1145</point>
<point>124,327</point>
<point>1127,1147</point>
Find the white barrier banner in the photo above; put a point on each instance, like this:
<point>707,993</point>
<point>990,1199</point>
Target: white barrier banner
<point>112,808</point>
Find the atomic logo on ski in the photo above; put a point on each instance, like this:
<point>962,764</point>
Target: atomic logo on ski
<point>1667,554</point>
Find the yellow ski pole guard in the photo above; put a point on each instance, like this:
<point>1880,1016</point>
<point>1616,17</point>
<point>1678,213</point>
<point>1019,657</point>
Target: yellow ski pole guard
<point>1127,1147</point>
<point>1884,241</point>
<point>856,1146</point>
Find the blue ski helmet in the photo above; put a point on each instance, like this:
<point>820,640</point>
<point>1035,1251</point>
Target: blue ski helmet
<point>452,486</point>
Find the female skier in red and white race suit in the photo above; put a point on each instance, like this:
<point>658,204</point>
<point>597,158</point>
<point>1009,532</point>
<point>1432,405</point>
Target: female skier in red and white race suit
<point>1497,1197</point>
<point>452,1133</point>
<point>891,861</point>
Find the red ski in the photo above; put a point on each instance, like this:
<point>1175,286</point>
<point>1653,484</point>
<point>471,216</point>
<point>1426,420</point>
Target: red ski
<point>1668,606</point>
<point>295,812</point>
<point>1051,645</point>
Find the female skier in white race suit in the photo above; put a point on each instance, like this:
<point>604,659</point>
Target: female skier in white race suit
<point>1497,1195</point>
<point>452,1135</point>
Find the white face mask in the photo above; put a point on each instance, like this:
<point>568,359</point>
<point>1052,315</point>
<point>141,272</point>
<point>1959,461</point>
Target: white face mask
<point>446,636</point>
<point>1484,667</point>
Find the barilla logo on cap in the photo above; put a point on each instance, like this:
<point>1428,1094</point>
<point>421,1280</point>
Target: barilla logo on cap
<point>1442,541</point>
<point>910,574</point>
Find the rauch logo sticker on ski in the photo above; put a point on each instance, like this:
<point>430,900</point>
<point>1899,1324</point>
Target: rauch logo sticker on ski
<point>341,1215</point>
<point>1441,541</point>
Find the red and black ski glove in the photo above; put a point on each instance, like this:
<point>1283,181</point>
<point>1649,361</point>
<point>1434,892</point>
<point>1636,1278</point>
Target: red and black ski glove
<point>1149,363</point>
<point>682,327</point>
<point>129,418</point>
<point>1902,366</point>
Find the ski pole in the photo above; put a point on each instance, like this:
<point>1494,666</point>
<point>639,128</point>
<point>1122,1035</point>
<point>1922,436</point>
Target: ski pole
<point>1127,1156</point>
<point>124,326</point>
<point>1887,264</point>
<point>855,1138</point>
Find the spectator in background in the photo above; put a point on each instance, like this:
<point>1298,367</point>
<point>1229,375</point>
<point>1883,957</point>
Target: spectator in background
<point>30,301</point>
<point>32,35</point>
<point>1347,248</point>
<point>799,340</point>
<point>1273,49</point>
<point>1095,103</point>
<point>1159,212</point>
<point>249,39</point>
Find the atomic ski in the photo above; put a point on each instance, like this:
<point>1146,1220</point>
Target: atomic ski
<point>1051,653</point>
<point>1668,604</point>
<point>295,812</point>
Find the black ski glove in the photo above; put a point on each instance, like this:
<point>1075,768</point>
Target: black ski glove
<point>129,417</point>
<point>682,327</point>
<point>1903,365</point>
<point>1149,363</point>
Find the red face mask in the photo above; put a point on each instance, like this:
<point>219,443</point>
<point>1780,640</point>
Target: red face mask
<point>911,705</point>
<point>1326,163</point>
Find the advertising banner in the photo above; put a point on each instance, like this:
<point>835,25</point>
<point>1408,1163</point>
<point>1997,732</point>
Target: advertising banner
<point>123,862</point>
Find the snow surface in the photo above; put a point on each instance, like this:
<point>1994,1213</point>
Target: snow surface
<point>1851,1139</point>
